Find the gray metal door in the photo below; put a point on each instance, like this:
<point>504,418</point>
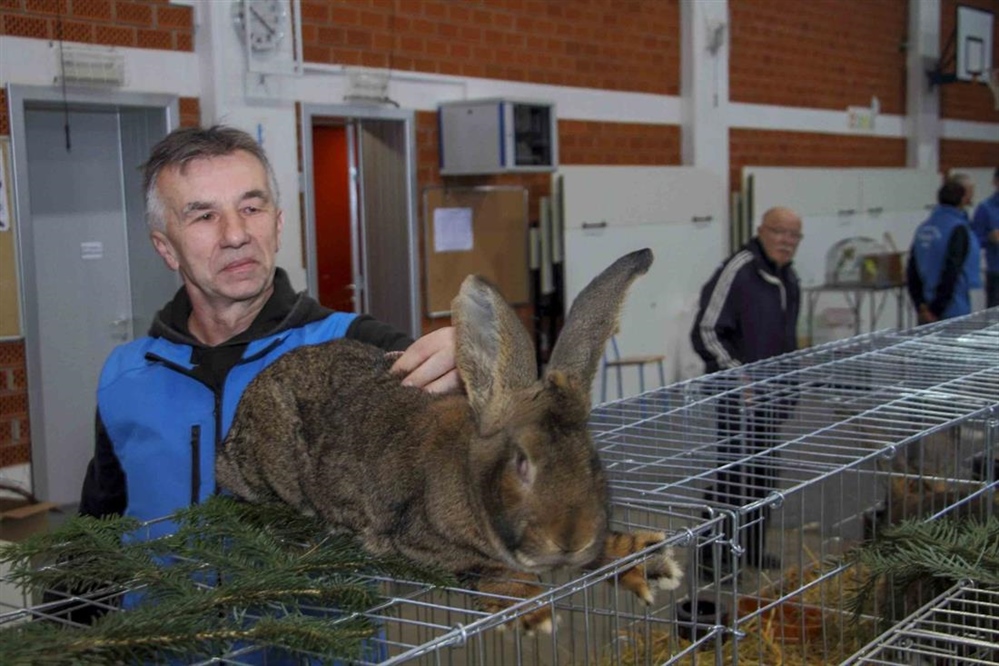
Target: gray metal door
<point>91,278</point>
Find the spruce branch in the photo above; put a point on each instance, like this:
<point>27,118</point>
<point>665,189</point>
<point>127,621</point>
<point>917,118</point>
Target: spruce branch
<point>939,553</point>
<point>232,574</point>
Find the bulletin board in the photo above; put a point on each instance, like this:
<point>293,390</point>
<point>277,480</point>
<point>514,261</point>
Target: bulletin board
<point>10,316</point>
<point>480,230</point>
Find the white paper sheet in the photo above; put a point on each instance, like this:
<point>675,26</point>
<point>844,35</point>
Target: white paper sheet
<point>453,230</point>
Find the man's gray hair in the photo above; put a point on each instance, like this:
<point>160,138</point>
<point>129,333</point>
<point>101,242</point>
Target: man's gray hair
<point>186,144</point>
<point>954,187</point>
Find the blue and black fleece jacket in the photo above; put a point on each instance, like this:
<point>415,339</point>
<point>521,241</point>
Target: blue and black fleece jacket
<point>165,401</point>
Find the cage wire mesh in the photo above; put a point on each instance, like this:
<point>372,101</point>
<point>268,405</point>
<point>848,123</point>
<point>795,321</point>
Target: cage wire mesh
<point>763,477</point>
<point>961,626</point>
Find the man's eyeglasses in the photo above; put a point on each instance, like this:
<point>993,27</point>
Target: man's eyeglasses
<point>786,233</point>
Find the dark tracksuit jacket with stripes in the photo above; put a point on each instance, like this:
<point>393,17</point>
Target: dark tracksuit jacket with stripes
<point>748,311</point>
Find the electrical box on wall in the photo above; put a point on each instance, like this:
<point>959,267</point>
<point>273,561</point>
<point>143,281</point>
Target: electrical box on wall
<point>497,136</point>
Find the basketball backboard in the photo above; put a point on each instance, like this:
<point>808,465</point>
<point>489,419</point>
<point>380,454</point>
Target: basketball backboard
<point>973,48</point>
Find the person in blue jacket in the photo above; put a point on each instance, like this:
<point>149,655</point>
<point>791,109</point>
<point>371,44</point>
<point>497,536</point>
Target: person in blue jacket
<point>945,259</point>
<point>749,312</point>
<point>165,401</point>
<point>985,224</point>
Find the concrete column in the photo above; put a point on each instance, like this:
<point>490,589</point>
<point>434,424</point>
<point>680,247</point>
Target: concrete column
<point>704,50</point>
<point>922,104</point>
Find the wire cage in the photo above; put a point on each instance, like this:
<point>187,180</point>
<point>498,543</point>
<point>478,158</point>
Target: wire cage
<point>598,621</point>
<point>764,478</point>
<point>805,457</point>
<point>961,626</point>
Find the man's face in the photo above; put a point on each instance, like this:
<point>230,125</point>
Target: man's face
<point>969,194</point>
<point>780,235</point>
<point>222,228</point>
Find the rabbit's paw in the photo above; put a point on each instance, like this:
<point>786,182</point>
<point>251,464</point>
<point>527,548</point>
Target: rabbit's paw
<point>659,570</point>
<point>499,592</point>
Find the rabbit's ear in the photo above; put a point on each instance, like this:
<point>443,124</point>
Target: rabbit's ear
<point>495,354</point>
<point>594,318</point>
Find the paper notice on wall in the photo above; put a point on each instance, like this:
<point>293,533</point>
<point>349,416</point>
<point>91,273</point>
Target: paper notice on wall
<point>453,230</point>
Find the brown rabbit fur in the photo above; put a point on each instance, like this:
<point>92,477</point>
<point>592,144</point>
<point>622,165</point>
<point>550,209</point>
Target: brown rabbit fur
<point>504,483</point>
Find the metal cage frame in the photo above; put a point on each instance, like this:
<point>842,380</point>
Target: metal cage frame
<point>857,433</point>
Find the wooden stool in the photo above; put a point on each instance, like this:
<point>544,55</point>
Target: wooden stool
<point>614,360</point>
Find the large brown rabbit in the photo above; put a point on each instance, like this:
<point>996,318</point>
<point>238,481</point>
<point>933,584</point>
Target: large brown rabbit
<point>504,483</point>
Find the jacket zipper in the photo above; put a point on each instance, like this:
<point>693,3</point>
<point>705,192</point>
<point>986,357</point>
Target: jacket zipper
<point>218,427</point>
<point>217,413</point>
<point>195,463</point>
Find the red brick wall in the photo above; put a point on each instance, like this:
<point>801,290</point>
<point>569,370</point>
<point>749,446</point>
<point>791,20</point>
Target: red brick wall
<point>15,435</point>
<point>825,54</point>
<point>612,45</point>
<point>582,142</point>
<point>774,148</point>
<point>151,24</point>
<point>190,111</point>
<point>956,153</point>
<point>966,100</point>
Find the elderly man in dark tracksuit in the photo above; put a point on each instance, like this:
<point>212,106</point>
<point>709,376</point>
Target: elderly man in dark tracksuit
<point>749,312</point>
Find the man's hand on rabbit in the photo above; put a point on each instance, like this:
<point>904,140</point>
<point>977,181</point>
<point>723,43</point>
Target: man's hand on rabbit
<point>429,363</point>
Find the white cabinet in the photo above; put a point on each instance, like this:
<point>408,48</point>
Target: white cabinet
<point>809,191</point>
<point>896,190</point>
<point>497,136</point>
<point>842,193</point>
<point>678,212</point>
<point>628,196</point>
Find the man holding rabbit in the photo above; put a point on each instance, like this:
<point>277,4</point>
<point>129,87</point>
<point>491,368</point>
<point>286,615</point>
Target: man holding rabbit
<point>237,336</point>
<point>165,401</point>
